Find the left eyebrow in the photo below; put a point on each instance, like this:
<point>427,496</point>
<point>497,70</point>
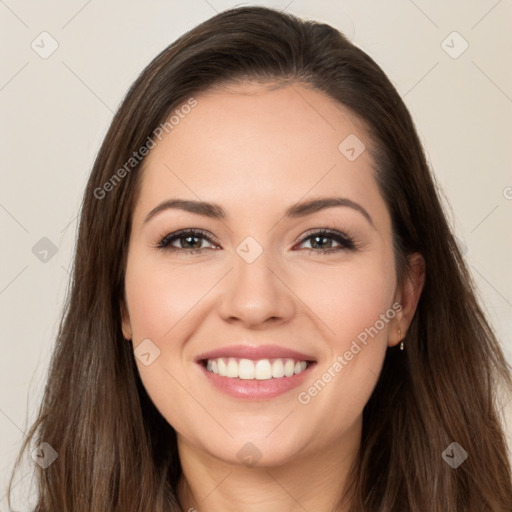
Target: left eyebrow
<point>215,211</point>
<point>308,207</point>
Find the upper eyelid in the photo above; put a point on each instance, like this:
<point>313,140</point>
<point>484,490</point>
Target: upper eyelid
<point>327,232</point>
<point>196,231</point>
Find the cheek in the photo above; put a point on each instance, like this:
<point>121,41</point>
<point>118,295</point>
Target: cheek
<point>351,298</point>
<point>159,296</point>
<point>161,301</point>
<point>355,306</point>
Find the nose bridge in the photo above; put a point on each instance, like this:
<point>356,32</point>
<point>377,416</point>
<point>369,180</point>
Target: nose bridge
<point>254,289</point>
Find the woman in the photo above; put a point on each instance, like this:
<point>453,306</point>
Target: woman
<point>251,370</point>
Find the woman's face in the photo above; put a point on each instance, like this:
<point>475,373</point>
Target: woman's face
<point>256,153</point>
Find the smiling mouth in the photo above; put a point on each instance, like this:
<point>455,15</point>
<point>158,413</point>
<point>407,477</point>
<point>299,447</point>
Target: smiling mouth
<point>261,369</point>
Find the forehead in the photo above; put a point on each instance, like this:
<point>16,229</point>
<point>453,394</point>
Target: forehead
<point>251,146</point>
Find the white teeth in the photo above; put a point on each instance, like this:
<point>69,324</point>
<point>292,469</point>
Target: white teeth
<point>231,369</point>
<point>263,369</point>
<point>277,369</point>
<point>221,365</point>
<point>245,369</point>
<point>289,368</point>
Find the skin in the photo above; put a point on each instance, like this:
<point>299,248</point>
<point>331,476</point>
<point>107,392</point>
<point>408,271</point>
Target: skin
<point>255,150</point>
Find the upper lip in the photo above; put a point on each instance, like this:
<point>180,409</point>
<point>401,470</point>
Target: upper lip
<point>255,352</point>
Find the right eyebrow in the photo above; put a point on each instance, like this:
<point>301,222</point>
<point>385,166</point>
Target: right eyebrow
<point>210,210</point>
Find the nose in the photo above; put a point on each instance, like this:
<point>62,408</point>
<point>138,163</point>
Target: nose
<point>256,293</point>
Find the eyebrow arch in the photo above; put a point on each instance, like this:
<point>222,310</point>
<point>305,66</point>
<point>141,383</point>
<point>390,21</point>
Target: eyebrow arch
<point>301,209</point>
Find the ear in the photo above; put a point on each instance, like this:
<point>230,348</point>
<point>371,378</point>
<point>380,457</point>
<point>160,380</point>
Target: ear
<point>408,296</point>
<point>126,325</point>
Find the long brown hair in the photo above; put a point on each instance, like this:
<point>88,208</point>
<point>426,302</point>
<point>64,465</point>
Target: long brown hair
<point>117,453</point>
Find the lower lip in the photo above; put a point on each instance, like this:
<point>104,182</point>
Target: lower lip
<point>256,389</point>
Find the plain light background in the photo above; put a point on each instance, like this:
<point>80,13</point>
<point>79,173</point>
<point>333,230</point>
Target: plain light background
<point>56,110</point>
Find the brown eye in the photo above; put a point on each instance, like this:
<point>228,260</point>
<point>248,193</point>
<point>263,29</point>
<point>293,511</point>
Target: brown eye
<point>190,240</point>
<point>317,239</point>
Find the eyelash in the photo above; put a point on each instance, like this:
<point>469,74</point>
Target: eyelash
<point>347,242</point>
